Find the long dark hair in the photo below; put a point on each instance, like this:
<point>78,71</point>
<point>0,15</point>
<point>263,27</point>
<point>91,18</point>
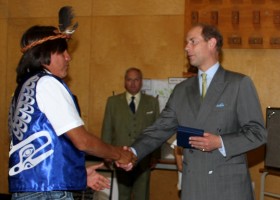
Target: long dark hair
<point>34,58</point>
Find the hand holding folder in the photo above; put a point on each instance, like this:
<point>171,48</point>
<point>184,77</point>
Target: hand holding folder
<point>183,134</point>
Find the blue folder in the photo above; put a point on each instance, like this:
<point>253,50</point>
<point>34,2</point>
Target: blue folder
<point>183,134</point>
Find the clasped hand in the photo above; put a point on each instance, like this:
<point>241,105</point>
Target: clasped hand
<point>127,159</point>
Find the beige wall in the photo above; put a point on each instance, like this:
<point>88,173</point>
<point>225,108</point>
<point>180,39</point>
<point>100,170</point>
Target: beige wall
<point>112,36</point>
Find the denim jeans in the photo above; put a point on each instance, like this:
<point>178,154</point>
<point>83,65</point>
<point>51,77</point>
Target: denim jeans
<point>50,195</point>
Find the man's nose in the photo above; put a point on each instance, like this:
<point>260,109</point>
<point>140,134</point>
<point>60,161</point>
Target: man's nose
<point>67,56</point>
<point>187,48</point>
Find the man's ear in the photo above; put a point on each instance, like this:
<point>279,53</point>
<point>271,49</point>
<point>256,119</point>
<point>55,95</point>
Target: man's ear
<point>212,42</point>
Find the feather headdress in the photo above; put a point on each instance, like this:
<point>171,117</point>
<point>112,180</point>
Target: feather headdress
<point>66,16</point>
<point>65,28</point>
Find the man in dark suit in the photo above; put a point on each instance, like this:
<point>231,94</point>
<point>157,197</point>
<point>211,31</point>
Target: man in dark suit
<point>124,120</point>
<point>230,115</point>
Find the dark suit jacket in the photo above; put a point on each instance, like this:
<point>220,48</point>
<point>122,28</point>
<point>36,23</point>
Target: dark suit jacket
<point>121,127</point>
<point>231,109</point>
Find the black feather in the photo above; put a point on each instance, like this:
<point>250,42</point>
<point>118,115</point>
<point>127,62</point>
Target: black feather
<point>66,16</point>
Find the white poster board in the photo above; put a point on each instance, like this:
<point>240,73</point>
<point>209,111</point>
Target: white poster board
<point>160,88</point>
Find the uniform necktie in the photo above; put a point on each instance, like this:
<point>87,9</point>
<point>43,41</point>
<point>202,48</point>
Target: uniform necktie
<point>204,84</point>
<point>132,104</point>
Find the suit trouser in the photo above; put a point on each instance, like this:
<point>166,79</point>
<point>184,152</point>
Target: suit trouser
<point>133,185</point>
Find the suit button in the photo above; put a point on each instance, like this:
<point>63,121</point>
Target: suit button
<point>191,151</point>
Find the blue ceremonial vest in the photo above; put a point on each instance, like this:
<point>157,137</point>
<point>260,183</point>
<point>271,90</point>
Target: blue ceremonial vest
<point>39,159</point>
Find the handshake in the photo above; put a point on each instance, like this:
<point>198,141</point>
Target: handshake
<point>127,159</point>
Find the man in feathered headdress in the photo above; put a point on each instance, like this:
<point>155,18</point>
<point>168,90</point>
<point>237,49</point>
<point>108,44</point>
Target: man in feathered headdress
<point>48,137</point>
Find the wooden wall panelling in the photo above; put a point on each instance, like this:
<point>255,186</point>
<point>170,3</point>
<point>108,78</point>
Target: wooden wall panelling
<point>4,141</point>
<point>152,43</point>
<point>42,9</point>
<point>244,23</point>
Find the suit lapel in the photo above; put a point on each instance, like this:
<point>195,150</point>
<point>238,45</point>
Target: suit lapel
<point>193,96</point>
<point>141,104</point>
<point>213,94</point>
<point>124,104</point>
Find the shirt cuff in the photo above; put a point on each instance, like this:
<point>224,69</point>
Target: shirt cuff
<point>133,151</point>
<point>222,149</point>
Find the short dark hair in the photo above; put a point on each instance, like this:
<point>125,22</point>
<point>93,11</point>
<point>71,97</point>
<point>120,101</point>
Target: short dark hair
<point>34,58</point>
<point>208,32</point>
